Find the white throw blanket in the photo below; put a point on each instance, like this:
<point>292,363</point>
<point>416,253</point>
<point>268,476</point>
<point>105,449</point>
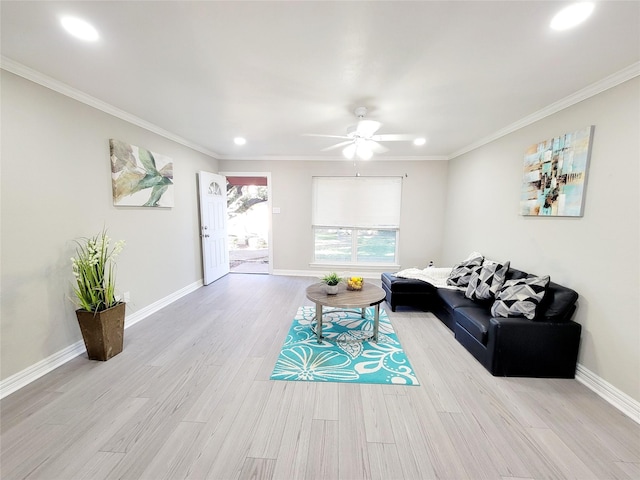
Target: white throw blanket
<point>436,276</point>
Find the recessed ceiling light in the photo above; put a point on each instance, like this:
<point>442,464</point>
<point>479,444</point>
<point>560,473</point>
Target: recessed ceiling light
<point>239,141</point>
<point>572,15</point>
<point>419,141</point>
<point>80,29</point>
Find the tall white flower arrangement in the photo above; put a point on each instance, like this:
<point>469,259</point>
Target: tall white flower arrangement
<point>94,269</point>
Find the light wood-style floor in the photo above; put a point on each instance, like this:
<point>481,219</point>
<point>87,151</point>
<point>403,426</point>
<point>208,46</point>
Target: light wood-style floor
<point>190,397</point>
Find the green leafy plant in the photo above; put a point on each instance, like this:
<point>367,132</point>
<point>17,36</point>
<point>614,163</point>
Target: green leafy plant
<point>331,279</point>
<point>94,269</point>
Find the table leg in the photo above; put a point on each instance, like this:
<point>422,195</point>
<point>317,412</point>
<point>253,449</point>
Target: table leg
<point>363,312</point>
<point>376,322</point>
<point>319,322</point>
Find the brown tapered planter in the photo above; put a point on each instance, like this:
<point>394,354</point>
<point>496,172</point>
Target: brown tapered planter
<point>102,332</point>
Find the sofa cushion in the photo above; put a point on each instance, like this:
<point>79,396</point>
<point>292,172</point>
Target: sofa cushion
<point>406,285</point>
<point>455,298</point>
<point>475,320</point>
<point>520,298</point>
<point>486,281</point>
<point>461,272</point>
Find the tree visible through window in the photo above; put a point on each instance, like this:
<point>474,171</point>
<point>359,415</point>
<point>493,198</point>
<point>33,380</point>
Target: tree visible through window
<point>354,245</point>
<point>356,219</point>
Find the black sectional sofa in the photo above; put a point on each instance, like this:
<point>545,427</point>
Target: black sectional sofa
<point>546,346</point>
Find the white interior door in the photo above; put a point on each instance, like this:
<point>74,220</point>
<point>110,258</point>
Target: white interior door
<point>213,225</point>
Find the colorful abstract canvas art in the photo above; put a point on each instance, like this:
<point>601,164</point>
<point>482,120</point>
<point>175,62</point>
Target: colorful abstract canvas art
<point>139,177</point>
<point>555,175</point>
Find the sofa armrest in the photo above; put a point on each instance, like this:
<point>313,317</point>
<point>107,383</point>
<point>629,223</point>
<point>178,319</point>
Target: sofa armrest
<point>522,347</point>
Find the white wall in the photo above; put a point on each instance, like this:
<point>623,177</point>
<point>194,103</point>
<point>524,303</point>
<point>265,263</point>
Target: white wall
<point>422,216</point>
<point>596,255</point>
<point>56,186</point>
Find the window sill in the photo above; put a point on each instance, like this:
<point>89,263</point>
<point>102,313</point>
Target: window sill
<point>387,267</point>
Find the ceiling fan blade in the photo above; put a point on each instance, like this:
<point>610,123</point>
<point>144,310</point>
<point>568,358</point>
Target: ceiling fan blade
<point>337,145</point>
<point>367,128</point>
<point>393,137</point>
<point>376,147</point>
<point>324,136</point>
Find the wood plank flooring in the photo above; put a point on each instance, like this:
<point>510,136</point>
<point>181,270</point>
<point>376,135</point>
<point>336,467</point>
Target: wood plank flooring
<point>190,398</point>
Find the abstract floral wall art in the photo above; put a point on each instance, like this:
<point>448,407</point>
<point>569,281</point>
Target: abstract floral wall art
<point>555,175</point>
<point>139,177</point>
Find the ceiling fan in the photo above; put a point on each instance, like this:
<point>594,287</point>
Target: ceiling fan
<point>361,139</point>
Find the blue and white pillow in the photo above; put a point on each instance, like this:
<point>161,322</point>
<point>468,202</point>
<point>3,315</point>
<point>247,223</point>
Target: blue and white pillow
<point>520,298</point>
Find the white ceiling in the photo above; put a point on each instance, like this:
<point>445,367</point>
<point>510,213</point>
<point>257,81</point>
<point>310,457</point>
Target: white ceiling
<point>454,72</point>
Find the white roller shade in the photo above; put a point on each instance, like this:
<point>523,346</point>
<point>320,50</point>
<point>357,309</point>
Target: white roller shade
<point>362,202</point>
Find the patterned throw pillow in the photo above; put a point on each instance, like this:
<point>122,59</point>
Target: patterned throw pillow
<point>520,298</point>
<point>461,273</point>
<point>486,281</point>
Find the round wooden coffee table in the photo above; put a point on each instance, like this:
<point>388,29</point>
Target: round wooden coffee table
<point>369,296</point>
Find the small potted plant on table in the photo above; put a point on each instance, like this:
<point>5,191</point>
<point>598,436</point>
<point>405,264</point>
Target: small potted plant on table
<point>101,314</point>
<point>331,280</point>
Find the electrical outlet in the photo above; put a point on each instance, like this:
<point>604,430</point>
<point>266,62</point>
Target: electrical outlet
<point>126,296</point>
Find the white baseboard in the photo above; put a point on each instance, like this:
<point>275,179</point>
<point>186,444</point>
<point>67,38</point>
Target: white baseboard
<point>28,375</point>
<point>608,392</point>
<point>604,389</point>
<point>143,313</point>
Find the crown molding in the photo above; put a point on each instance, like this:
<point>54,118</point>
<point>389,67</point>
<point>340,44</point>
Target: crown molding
<point>23,71</point>
<point>611,81</point>
<point>28,73</point>
<point>606,83</point>
<point>319,158</point>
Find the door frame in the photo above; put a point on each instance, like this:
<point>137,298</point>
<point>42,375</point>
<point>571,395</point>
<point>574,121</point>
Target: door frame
<point>269,207</point>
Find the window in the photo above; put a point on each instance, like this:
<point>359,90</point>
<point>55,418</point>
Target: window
<point>214,189</point>
<point>356,219</point>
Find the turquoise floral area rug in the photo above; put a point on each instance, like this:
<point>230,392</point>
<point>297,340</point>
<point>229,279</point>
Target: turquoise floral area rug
<point>346,354</point>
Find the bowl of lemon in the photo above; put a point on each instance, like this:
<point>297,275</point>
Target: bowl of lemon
<point>355,283</point>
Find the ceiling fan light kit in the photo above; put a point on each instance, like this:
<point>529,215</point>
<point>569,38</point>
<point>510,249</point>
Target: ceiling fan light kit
<point>361,140</point>
<point>349,151</point>
<point>358,148</point>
